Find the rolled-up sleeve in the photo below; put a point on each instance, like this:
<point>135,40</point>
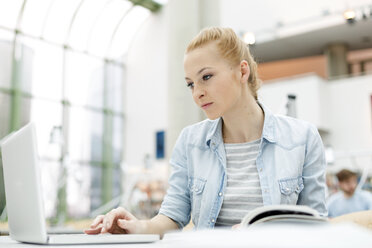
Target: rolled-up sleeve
<point>313,194</point>
<point>176,203</point>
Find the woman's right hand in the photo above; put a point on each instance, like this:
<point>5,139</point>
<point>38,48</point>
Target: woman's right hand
<point>117,221</point>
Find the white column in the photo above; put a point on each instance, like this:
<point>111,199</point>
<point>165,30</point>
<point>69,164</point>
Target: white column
<point>336,59</point>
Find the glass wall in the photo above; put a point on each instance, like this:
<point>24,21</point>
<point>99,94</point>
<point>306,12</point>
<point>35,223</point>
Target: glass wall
<point>61,67</point>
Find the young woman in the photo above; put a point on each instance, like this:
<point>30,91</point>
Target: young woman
<point>240,158</point>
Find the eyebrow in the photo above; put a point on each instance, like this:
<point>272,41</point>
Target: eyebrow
<point>200,71</point>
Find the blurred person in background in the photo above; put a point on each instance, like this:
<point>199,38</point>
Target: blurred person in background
<point>349,199</point>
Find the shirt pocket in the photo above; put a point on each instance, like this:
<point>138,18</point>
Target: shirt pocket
<point>290,188</point>
<point>196,187</point>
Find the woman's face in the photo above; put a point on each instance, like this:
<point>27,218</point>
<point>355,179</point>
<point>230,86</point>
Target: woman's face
<point>216,85</point>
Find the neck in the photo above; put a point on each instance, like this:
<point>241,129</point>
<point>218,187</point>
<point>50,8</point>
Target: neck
<point>348,195</point>
<point>244,123</point>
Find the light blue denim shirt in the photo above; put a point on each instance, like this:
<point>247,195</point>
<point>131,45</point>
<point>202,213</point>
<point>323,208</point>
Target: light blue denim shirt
<point>291,167</point>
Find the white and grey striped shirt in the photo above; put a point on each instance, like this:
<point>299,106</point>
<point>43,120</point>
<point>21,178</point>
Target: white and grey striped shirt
<point>243,189</point>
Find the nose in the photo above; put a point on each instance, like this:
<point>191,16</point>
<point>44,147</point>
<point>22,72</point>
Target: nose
<point>198,92</point>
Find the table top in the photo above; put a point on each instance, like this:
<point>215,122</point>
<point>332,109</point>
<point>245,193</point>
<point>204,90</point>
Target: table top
<point>333,235</point>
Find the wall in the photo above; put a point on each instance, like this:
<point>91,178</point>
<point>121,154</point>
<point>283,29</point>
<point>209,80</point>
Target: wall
<point>290,67</point>
<point>146,89</point>
<point>317,64</point>
<point>350,119</point>
<point>307,90</point>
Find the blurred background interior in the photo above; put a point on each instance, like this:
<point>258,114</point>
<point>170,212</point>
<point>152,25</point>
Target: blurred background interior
<point>103,81</point>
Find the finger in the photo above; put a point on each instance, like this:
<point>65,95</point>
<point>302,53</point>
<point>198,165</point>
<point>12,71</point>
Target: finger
<point>109,219</point>
<point>97,221</point>
<point>104,230</point>
<point>92,231</point>
<point>237,226</point>
<point>96,230</point>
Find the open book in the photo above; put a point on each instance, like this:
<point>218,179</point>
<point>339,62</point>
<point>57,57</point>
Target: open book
<point>282,213</point>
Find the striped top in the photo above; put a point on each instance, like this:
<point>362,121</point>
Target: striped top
<point>243,190</point>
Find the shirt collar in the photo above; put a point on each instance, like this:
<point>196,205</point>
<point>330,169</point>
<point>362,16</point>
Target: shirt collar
<point>268,131</point>
<point>214,135</point>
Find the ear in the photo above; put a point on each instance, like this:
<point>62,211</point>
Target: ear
<point>245,71</point>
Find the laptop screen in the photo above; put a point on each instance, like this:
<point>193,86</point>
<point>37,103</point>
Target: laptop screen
<point>22,186</point>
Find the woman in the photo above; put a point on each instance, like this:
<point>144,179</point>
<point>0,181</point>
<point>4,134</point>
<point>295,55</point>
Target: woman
<point>242,157</point>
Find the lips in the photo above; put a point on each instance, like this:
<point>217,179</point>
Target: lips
<point>206,105</point>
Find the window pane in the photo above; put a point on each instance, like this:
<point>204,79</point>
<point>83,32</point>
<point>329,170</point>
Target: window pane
<point>85,20</point>
<point>117,139</point>
<point>34,16</point>
<point>127,30</point>
<point>47,116</point>
<point>114,81</point>
<point>116,182</point>
<point>6,57</point>
<point>44,64</point>
<point>84,80</point>
<point>95,187</point>
<point>59,18</point>
<point>5,114</point>
<point>9,11</point>
<point>25,111</point>
<point>22,66</point>
<point>6,34</point>
<point>105,25</point>
<point>50,178</point>
<point>78,190</point>
<point>85,135</point>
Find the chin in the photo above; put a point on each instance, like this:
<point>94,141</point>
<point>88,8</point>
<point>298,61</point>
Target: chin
<point>212,117</point>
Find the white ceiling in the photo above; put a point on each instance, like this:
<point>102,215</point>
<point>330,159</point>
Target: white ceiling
<point>356,36</point>
<point>296,28</point>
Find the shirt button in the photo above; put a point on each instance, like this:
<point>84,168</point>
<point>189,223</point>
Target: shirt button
<point>261,169</point>
<point>213,220</point>
<point>266,191</point>
<point>213,144</point>
<point>220,194</point>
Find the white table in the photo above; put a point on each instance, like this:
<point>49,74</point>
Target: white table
<point>273,236</point>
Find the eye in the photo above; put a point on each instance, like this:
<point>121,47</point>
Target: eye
<point>206,77</point>
<point>190,85</point>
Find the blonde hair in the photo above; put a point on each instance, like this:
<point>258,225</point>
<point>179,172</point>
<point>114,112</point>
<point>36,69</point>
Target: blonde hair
<point>232,48</point>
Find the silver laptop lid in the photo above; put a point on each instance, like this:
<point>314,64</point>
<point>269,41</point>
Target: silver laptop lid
<point>22,186</point>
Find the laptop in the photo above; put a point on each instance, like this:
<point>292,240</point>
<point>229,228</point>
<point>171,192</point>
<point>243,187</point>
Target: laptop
<point>24,197</point>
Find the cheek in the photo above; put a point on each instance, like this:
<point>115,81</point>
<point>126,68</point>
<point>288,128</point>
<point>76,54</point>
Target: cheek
<point>230,91</point>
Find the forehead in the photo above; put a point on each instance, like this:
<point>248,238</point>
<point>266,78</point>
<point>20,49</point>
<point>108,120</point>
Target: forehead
<point>350,179</point>
<point>201,56</point>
